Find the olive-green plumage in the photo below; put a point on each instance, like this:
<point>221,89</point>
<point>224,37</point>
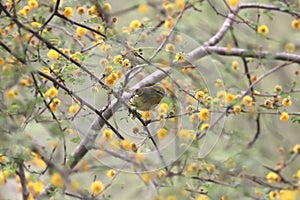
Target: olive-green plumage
<point>147,97</point>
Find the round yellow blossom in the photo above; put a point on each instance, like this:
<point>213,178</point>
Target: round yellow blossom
<point>180,4</point>
<point>263,29</point>
<point>108,134</point>
<point>108,70</point>
<point>171,197</point>
<point>52,54</point>
<point>180,56</point>
<point>273,177</point>
<point>26,9</point>
<point>35,188</point>
<point>80,10</point>
<point>204,127</point>
<point>118,59</point>
<point>274,194</point>
<point>295,24</point>
<point>33,4</point>
<point>162,133</point>
<point>185,134</point>
<point>135,24</point>
<point>268,103</point>
<point>199,95</point>
<point>139,156</point>
<point>170,47</point>
<point>286,102</point>
<point>97,187</point>
<point>233,3</point>
<point>68,12</point>
<point>36,24</point>
<point>229,97</point>
<point>169,24</point>
<point>203,197</point>
<point>2,61</point>
<point>296,148</point>
<point>284,116</point>
<point>235,65</point>
<point>11,94</point>
<point>237,109</point>
<point>204,114</point>
<point>80,31</point>
<point>56,102</point>
<point>298,172</point>
<point>178,39</point>
<point>290,47</point>
<point>146,115</point>
<point>111,173</point>
<point>110,81</point>
<point>126,145</point>
<point>107,7</point>
<point>278,88</point>
<point>146,178</point>
<point>289,194</point>
<point>143,8</point>
<point>126,63</point>
<point>247,100</point>
<point>219,83</point>
<point>1,158</point>
<point>51,92</point>
<point>74,108</point>
<point>57,180</point>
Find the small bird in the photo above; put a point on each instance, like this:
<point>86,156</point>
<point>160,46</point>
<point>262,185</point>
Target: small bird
<point>147,97</point>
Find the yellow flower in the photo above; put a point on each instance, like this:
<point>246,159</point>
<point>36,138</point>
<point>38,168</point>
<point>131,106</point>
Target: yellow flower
<point>107,7</point>
<point>278,88</point>
<point>229,97</point>
<point>187,134</point>
<point>125,144</point>
<point>68,12</point>
<point>170,47</point>
<point>199,95</point>
<point>81,10</point>
<point>140,157</point>
<point>36,24</point>
<point>235,65</point>
<point>247,100</point>
<point>233,3</point>
<point>274,194</point>
<point>169,23</point>
<point>204,114</point>
<point>284,116</point>
<point>97,187</point>
<point>111,173</point>
<point>146,115</point>
<point>286,102</point>
<point>146,178</point>
<point>162,133</point>
<point>108,134</point>
<point>57,180</point>
<point>143,8</point>
<point>110,81</point>
<point>295,24</point>
<point>203,197</point>
<point>117,59</point>
<point>296,148</point>
<point>180,56</point>
<point>272,177</point>
<point>2,61</point>
<point>74,108</point>
<point>263,29</point>
<point>126,63</point>
<point>171,197</point>
<point>1,158</point>
<point>204,127</point>
<point>297,174</point>
<point>51,92</point>
<point>290,47</point>
<point>11,94</point>
<point>80,31</point>
<point>52,54</point>
<point>180,4</point>
<point>35,188</point>
<point>289,194</point>
<point>33,4</point>
<point>134,24</point>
